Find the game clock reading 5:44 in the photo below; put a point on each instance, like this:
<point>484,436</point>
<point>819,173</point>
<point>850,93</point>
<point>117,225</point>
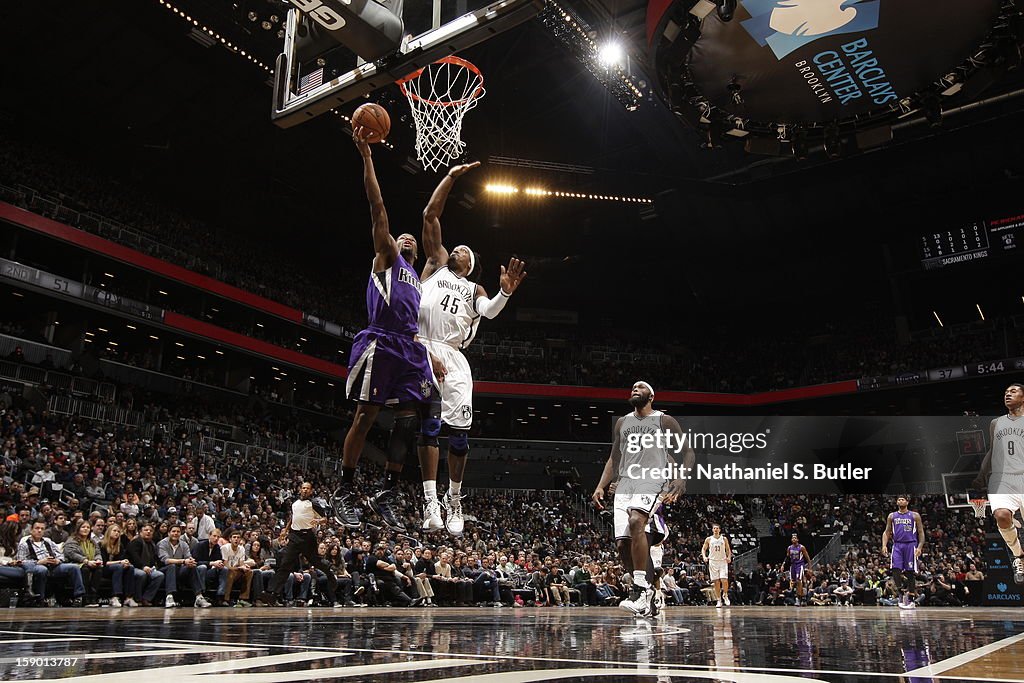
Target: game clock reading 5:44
<point>986,368</point>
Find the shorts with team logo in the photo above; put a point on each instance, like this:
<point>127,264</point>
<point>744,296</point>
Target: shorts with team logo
<point>457,387</point>
<point>718,569</point>
<point>387,368</point>
<point>1006,501</point>
<point>631,496</point>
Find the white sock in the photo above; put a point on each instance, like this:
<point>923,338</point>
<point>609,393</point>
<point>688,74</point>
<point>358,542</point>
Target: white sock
<point>1012,540</point>
<point>430,489</point>
<point>455,488</point>
<point>640,578</point>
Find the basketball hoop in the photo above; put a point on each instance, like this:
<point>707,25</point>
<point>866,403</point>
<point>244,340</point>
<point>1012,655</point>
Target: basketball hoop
<point>439,95</point>
<point>979,505</point>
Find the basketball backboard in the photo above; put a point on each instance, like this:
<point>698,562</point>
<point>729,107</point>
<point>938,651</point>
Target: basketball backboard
<point>957,490</point>
<point>312,77</point>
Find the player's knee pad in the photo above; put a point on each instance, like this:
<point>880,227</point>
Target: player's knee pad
<point>403,438</point>
<point>430,427</point>
<point>458,442</point>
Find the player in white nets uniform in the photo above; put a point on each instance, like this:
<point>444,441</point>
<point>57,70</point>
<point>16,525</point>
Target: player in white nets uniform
<point>450,310</point>
<point>637,492</point>
<point>718,554</point>
<point>1002,473</point>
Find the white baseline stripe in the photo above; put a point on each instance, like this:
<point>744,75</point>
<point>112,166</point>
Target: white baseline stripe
<point>964,658</point>
<point>369,671</point>
<point>174,673</point>
<point>672,667</point>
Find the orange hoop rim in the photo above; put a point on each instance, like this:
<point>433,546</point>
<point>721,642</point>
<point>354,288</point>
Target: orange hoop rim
<point>450,59</point>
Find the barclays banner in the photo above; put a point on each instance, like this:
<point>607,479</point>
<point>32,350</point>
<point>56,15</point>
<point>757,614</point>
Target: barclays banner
<point>801,61</point>
<point>999,588</point>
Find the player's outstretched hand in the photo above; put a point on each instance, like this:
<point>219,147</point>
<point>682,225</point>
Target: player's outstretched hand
<point>361,137</point>
<point>598,498</point>
<point>512,276</point>
<point>979,485</point>
<point>456,171</point>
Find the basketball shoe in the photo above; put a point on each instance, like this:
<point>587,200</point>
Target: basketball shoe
<point>344,508</point>
<point>432,515</point>
<point>454,521</point>
<point>382,503</point>
<point>1018,569</point>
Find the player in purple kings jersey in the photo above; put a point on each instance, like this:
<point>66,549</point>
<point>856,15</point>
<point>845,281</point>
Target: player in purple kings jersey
<point>799,560</point>
<point>906,530</point>
<point>388,366</point>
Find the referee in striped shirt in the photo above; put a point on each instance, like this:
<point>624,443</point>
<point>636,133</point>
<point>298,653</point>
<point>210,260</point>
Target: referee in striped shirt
<point>302,541</point>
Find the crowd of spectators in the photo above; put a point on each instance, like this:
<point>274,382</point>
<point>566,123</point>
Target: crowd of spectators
<point>87,505</point>
<point>723,359</point>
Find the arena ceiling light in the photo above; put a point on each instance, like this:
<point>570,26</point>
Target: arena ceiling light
<point>569,28</point>
<point>495,188</point>
<point>611,53</point>
<point>537,193</point>
<point>252,16</point>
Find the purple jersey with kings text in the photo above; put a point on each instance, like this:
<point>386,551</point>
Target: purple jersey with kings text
<point>393,299</point>
<point>387,366</point>
<point>904,540</point>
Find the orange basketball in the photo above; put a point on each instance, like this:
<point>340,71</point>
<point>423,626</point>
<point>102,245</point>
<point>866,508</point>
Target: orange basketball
<point>373,118</point>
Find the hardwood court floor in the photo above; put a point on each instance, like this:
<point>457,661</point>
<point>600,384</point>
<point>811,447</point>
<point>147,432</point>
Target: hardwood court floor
<point>505,645</point>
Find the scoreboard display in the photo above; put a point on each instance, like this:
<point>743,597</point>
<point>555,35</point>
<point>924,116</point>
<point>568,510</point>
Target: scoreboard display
<point>971,242</point>
<point>960,245</point>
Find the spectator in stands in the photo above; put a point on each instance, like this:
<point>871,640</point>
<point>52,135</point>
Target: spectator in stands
<point>177,564</point>
<point>81,550</point>
<point>144,558</point>
<point>843,592</point>
<point>384,570</point>
<point>204,523</point>
<point>41,557</point>
<point>58,532</point>
<point>45,475</point>
<point>130,505</point>
<point>262,558</point>
<point>238,567</point>
<point>94,491</point>
<point>10,566</point>
<point>76,486</point>
<point>24,520</point>
<point>131,529</point>
<point>670,587</point>
<point>99,528</point>
<point>118,567</point>
<point>583,581</point>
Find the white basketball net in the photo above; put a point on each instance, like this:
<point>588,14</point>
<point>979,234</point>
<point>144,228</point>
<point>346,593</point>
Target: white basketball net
<point>440,95</point>
<point>979,505</point>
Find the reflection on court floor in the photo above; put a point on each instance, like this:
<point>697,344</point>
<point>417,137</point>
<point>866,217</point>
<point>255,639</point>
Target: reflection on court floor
<point>768,645</point>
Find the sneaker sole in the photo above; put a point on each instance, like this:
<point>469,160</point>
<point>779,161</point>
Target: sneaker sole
<point>389,525</point>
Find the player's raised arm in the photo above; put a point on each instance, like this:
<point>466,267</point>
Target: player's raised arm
<point>611,466</point>
<point>508,282</point>
<point>980,483</point>
<point>436,254</point>
<point>384,245</point>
